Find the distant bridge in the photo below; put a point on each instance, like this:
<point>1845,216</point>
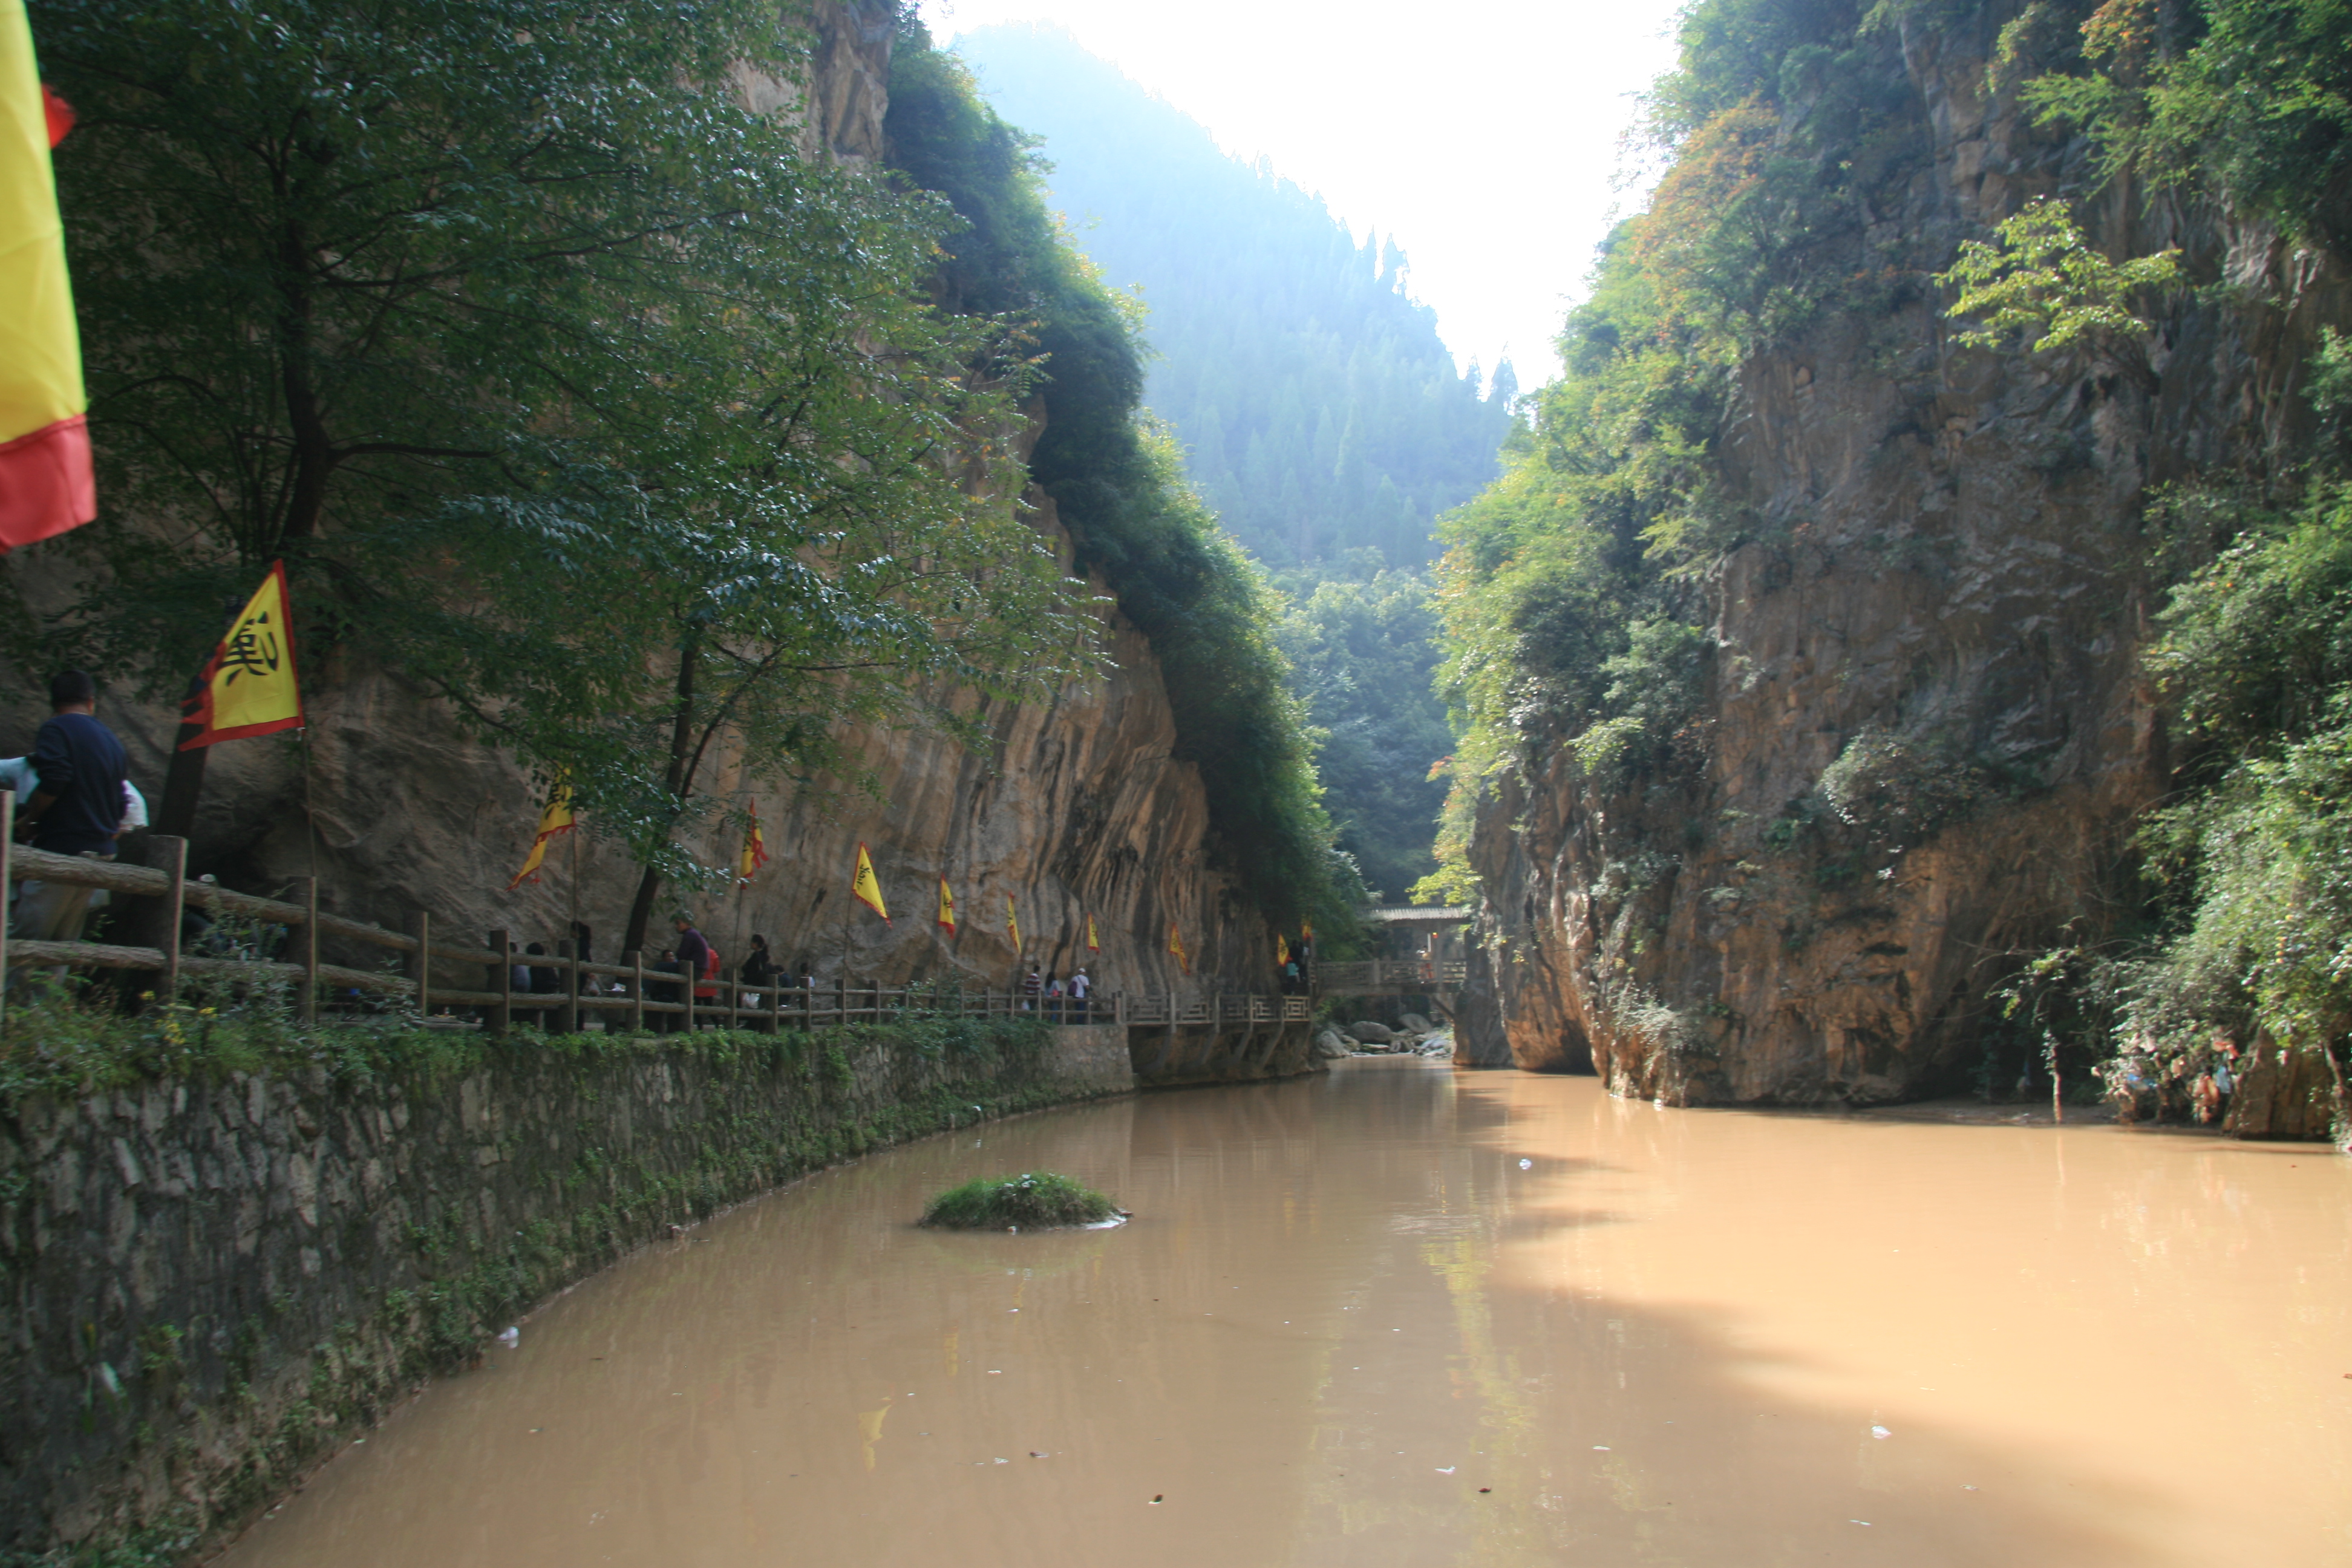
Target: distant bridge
<point>1432,977</point>
<point>1393,977</point>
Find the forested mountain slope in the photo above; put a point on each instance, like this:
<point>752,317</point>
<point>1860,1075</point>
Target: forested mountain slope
<point>1318,408</point>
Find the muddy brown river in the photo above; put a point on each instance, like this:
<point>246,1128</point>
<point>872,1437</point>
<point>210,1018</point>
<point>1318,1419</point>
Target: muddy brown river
<point>1401,1315</point>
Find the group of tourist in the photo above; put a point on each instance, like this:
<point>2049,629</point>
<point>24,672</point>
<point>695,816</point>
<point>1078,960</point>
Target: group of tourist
<point>1062,1000</point>
<point>74,796</point>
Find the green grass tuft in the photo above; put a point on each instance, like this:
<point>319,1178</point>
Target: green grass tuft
<point>1034,1200</point>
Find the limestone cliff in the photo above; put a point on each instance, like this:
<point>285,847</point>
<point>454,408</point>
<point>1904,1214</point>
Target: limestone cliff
<point>1950,599</point>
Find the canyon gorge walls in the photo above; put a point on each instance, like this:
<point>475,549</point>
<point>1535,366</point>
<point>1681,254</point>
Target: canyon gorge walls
<point>1921,735</point>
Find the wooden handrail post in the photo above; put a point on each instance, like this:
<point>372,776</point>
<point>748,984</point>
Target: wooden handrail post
<point>686,993</point>
<point>567,1017</point>
<point>501,1012</point>
<point>308,1009</point>
<point>841,997</point>
<point>169,854</point>
<point>7,842</point>
<point>636,962</point>
<point>420,965</point>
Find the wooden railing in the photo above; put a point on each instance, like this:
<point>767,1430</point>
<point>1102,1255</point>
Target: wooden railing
<point>625,995</point>
<point>1382,974</point>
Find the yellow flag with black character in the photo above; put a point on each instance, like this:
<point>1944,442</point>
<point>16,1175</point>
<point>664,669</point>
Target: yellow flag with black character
<point>249,688</point>
<point>865,886</point>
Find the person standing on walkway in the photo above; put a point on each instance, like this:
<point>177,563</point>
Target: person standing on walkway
<point>1079,986</point>
<point>1031,990</point>
<point>77,807</point>
<point>757,970</point>
<point>694,955</point>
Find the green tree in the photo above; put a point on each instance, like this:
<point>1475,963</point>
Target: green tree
<point>569,391</point>
<point>2042,283</point>
<point>2251,96</point>
<point>1361,639</point>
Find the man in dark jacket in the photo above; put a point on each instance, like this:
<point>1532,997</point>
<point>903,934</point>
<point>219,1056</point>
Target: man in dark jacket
<point>77,807</point>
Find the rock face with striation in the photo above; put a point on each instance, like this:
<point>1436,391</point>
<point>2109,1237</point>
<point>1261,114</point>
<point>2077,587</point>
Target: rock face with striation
<point>1950,610</point>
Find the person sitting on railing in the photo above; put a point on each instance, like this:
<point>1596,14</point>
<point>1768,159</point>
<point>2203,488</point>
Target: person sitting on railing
<point>664,1023</point>
<point>538,980</point>
<point>76,809</point>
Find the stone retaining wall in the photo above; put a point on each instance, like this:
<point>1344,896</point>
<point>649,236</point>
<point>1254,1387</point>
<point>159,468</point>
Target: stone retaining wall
<point>210,1284</point>
<point>1166,1055</point>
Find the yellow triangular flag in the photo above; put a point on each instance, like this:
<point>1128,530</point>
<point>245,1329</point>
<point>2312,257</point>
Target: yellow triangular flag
<point>1281,949</point>
<point>248,688</point>
<point>947,906</point>
<point>554,818</point>
<point>1176,946</point>
<point>863,886</point>
<point>1012,923</point>
<point>1092,945</point>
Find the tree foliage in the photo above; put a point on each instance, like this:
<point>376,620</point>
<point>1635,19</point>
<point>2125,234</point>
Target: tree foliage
<point>1118,484</point>
<point>1361,638</point>
<point>570,390</point>
<point>2253,859</point>
<point>2041,284</point>
<point>2252,97</point>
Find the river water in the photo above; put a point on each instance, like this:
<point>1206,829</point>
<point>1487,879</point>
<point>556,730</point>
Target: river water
<point>1403,1315</point>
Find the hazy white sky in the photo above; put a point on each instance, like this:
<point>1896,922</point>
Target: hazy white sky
<point>1484,139</point>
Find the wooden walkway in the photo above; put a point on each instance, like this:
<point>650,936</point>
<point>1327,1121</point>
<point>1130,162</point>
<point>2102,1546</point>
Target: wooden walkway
<point>625,995</point>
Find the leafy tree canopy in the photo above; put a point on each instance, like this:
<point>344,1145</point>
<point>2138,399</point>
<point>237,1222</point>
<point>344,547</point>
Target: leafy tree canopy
<point>569,390</point>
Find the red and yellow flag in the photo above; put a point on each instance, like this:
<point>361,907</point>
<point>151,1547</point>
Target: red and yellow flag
<point>556,817</point>
<point>248,688</point>
<point>45,486</point>
<point>863,886</point>
<point>755,850</point>
<point>1092,945</point>
<point>947,906</point>
<point>1012,923</point>
<point>1176,946</point>
<point>1281,948</point>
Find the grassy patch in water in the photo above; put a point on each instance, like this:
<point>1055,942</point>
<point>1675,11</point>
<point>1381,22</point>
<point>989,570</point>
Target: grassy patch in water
<point>1034,1199</point>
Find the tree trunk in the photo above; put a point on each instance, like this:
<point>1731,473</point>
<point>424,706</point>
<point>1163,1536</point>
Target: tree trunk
<point>183,781</point>
<point>681,738</point>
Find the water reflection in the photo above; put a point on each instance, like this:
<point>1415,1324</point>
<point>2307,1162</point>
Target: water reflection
<point>1347,1327</point>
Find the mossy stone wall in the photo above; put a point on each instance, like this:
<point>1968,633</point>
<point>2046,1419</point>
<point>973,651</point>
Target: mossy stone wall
<point>211,1282</point>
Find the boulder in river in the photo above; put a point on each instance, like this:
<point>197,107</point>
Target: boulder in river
<point>1374,1034</point>
<point>1417,1024</point>
<point>1331,1044</point>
